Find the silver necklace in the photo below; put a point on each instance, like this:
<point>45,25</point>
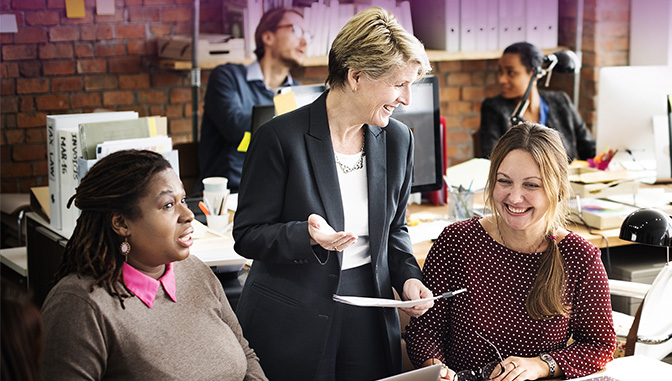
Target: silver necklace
<point>358,165</point>
<point>499,231</point>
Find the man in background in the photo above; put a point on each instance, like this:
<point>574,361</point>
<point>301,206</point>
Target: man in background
<point>233,89</point>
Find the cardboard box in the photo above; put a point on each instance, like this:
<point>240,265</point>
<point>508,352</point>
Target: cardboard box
<point>211,48</point>
<point>593,183</point>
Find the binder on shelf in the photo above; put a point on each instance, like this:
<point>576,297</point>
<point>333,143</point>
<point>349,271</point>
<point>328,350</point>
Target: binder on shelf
<point>492,25</point>
<point>534,20</point>
<point>506,23</point>
<point>481,22</point>
<point>468,25</point>
<point>70,122</point>
<point>436,23</point>
<point>519,22</point>
<point>549,25</point>
<point>92,134</point>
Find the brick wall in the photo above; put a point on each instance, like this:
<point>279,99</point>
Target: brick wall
<point>56,65</point>
<point>59,65</point>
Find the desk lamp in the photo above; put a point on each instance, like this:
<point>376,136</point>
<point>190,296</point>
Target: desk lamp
<point>653,227</point>
<point>561,61</point>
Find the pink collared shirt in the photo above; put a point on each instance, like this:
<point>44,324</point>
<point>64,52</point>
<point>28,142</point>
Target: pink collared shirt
<point>146,287</point>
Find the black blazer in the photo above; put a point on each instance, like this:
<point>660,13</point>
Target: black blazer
<point>562,116</point>
<point>290,172</point>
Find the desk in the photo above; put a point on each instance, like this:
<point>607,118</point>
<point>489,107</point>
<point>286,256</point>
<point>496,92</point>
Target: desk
<point>45,247</point>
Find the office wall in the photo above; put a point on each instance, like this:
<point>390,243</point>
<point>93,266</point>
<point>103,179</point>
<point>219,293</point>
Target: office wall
<point>59,65</point>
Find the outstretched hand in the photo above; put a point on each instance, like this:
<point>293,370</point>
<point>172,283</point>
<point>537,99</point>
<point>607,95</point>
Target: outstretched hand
<point>321,233</point>
<point>413,290</point>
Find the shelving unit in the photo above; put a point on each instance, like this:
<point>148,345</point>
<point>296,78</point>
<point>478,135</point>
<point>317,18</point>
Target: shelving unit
<point>434,56</point>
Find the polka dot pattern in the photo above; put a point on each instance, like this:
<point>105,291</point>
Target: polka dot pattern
<point>498,280</point>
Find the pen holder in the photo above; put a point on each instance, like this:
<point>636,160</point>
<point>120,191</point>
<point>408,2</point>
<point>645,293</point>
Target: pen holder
<point>460,205</point>
<point>218,223</point>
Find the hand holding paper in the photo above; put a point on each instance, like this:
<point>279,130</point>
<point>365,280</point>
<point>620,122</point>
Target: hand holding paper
<point>378,302</point>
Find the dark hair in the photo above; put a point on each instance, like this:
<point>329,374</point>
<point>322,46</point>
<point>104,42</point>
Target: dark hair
<point>545,146</point>
<point>269,22</point>
<point>530,56</point>
<point>114,185</point>
<point>22,335</point>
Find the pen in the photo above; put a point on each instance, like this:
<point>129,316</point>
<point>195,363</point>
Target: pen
<point>203,208</point>
<point>453,293</point>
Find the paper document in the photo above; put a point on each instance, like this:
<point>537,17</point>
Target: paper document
<point>377,302</point>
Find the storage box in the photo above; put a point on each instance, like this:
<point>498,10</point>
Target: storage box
<point>593,183</point>
<point>636,268</point>
<point>600,214</point>
<point>211,48</point>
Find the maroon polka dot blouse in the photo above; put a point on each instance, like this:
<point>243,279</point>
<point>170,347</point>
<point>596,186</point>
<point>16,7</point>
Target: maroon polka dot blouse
<point>498,280</point>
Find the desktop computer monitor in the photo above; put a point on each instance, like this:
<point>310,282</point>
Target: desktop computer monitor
<point>632,117</point>
<point>422,116</point>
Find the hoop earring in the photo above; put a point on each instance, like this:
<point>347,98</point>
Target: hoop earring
<point>125,248</point>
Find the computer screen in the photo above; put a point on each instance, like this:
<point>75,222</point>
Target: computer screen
<point>632,118</point>
<point>422,116</point>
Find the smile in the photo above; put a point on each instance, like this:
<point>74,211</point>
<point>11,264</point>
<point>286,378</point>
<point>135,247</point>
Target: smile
<point>389,108</point>
<point>516,210</point>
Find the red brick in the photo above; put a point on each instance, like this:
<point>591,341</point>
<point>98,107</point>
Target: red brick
<point>27,104</point>
<point>14,136</point>
<point>133,3</point>
<point>180,95</point>
<point>161,30</point>
<point>83,50</point>
<point>30,69</point>
<point>449,93</point>
<point>167,80</point>
<point>29,152</point>
<point>19,52</point>
<point>36,135</point>
<point>100,82</point>
<point>8,87</point>
<point>115,98</point>
<point>174,111</point>
<point>47,18</point>
<point>33,85</point>
<point>29,35</point>
<point>151,96</point>
<point>459,79</point>
<point>27,4</point>
<point>68,33</point>
<point>66,84</point>
<point>81,100</point>
<point>176,14</point>
<point>97,32</point>
<point>9,69</point>
<point>143,14</point>
<point>141,47</point>
<point>183,28</point>
<point>157,110</point>
<point>124,65</point>
<point>87,19</point>
<point>28,120</point>
<point>142,111</point>
<point>51,51</point>
<point>158,2</point>
<point>181,126</point>
<point>58,68</point>
<point>9,104</point>
<point>10,170</point>
<point>136,81</point>
<point>473,93</point>
<point>52,102</point>
<point>117,17</point>
<point>130,31</point>
<point>110,49</point>
<point>91,66</point>
<point>39,169</point>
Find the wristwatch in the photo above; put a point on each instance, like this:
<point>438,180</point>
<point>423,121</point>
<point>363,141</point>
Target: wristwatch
<point>548,359</point>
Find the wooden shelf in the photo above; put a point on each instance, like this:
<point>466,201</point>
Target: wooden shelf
<point>434,56</point>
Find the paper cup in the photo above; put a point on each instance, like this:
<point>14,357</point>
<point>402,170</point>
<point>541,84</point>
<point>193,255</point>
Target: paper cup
<point>215,184</point>
<point>217,223</point>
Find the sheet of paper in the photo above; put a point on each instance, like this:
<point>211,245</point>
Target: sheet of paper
<point>105,7</point>
<point>74,9</point>
<point>472,174</point>
<point>8,24</point>
<point>378,302</point>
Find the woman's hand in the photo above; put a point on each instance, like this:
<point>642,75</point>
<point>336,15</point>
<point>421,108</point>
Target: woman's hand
<point>413,290</point>
<point>324,235</point>
<point>445,373</point>
<point>523,368</point>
